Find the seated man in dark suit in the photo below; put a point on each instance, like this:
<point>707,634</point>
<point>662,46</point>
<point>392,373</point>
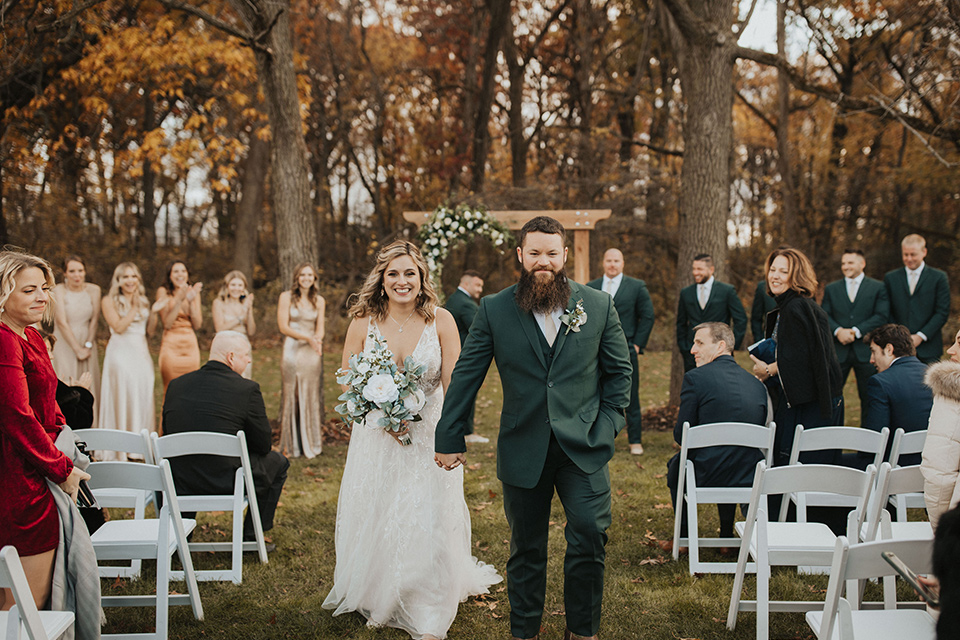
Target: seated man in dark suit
<point>219,399</point>
<point>896,396</point>
<point>718,390</point>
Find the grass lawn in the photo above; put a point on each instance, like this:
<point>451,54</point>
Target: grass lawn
<point>647,595</point>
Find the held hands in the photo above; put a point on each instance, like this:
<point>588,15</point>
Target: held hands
<point>917,340</point>
<point>450,461</point>
<point>85,381</point>
<point>846,336</point>
<point>83,353</point>
<point>761,370</point>
<point>71,485</point>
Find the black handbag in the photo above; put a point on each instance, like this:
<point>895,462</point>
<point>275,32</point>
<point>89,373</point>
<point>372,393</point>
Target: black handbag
<point>90,510</point>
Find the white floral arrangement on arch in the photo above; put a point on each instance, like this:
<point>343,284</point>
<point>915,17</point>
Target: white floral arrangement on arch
<point>449,227</point>
<point>379,394</point>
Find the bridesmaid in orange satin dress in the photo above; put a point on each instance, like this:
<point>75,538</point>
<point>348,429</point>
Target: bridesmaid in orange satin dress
<point>178,304</point>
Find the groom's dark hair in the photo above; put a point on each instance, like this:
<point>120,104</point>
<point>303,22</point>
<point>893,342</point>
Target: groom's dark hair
<point>542,224</point>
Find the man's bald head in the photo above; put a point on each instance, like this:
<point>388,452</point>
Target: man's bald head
<point>613,263</point>
<point>232,348</point>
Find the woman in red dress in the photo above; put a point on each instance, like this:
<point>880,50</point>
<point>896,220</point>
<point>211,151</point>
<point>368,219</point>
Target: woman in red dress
<point>29,424</point>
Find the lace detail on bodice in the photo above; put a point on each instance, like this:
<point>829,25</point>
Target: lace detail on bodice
<point>427,353</point>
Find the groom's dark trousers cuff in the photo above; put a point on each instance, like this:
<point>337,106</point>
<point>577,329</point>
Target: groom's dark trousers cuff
<point>586,503</point>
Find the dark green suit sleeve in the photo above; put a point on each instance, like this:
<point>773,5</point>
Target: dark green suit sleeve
<point>941,307</point>
<point>467,378</point>
<point>881,312</point>
<point>645,317</point>
<point>739,316</point>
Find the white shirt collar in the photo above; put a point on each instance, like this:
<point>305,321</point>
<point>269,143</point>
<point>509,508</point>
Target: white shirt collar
<point>554,316</point>
<point>708,284</point>
<point>918,270</point>
<point>858,280</point>
<point>616,279</point>
<point>465,291</point>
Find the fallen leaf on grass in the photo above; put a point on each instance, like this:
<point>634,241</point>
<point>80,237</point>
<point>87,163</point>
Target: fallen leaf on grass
<point>641,467</point>
<point>663,506</point>
<point>480,507</point>
<point>654,560</point>
<point>659,475</point>
<point>474,466</point>
<point>649,535</point>
<point>491,494</point>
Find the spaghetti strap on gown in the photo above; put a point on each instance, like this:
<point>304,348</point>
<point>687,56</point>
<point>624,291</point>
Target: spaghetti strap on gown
<point>300,368</point>
<point>403,528</point>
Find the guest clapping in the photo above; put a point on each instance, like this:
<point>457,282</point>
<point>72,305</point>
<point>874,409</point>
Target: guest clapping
<point>127,391</point>
<point>233,310</point>
<point>29,424</point>
<point>76,314</point>
<point>178,303</point>
<point>300,318</point>
<point>805,379</point>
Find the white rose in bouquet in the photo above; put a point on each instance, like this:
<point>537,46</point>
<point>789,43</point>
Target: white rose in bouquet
<point>381,388</point>
<point>414,402</point>
<point>372,421</point>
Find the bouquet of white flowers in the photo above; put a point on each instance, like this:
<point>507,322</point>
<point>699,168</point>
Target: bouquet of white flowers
<point>380,395</point>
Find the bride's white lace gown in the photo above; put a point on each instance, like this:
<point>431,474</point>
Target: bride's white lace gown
<point>403,528</point>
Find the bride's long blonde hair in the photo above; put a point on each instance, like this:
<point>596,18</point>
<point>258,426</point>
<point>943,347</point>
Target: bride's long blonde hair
<point>120,300</point>
<point>372,300</point>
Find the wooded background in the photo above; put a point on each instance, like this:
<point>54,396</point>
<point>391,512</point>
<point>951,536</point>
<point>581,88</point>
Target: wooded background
<point>256,134</point>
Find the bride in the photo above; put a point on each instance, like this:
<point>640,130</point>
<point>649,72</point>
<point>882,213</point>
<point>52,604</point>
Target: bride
<point>403,528</point>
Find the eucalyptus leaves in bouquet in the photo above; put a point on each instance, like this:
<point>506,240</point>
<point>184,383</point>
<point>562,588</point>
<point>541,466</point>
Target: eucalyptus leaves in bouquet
<point>379,394</point>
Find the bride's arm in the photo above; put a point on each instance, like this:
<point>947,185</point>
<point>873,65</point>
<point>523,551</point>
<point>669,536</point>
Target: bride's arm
<point>353,343</point>
<point>449,345</point>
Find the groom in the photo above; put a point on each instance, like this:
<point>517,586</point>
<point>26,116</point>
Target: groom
<point>565,372</point>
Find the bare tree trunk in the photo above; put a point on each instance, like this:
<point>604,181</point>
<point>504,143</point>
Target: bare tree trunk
<point>701,38</point>
<point>147,222</point>
<point>499,17</point>
<point>251,204</point>
<point>297,238</point>
<point>788,195</point>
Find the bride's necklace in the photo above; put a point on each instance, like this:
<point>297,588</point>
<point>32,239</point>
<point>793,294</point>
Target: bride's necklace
<point>400,324</point>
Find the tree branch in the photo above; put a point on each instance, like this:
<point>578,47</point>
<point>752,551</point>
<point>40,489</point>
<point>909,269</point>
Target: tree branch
<point>757,112</point>
<point>250,40</point>
<point>689,23</point>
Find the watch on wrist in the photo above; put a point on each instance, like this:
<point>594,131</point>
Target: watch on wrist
<point>88,344</point>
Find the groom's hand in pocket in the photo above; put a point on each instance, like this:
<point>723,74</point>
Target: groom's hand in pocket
<point>450,461</point>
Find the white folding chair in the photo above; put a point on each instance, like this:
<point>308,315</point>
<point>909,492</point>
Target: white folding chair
<point>822,438</point>
<point>854,563</point>
<point>116,445</point>
<point>690,496</point>
<point>244,495</point>
<point>890,483</point>
<point>795,544</point>
<point>152,538</point>
<point>906,444</point>
<point>23,616</point>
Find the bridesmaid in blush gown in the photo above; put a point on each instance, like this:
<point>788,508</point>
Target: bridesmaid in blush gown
<point>233,310</point>
<point>76,313</point>
<point>178,303</point>
<point>126,400</point>
<point>300,318</point>
<point>404,557</point>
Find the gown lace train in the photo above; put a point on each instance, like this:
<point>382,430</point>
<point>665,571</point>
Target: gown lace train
<point>403,528</point>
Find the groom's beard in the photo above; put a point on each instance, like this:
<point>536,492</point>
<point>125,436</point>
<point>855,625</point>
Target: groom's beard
<point>542,293</point>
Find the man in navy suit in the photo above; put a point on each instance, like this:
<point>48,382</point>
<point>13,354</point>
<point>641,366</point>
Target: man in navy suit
<point>707,300</point>
<point>635,308</point>
<point>896,396</point>
<point>919,299</point>
<point>718,390</point>
<point>855,305</point>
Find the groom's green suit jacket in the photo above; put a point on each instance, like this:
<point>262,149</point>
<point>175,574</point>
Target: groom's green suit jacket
<point>580,394</point>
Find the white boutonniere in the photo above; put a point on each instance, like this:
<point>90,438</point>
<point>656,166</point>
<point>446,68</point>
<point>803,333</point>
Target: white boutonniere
<point>574,318</point>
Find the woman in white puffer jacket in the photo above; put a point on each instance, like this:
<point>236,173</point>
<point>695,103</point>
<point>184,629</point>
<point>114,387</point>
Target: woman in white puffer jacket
<point>941,451</point>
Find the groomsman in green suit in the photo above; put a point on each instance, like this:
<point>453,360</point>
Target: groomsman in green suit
<point>565,372</point>
<point>707,301</point>
<point>462,305</point>
<point>635,308</point>
<point>919,299</point>
<point>855,306</point>
<point>763,303</point>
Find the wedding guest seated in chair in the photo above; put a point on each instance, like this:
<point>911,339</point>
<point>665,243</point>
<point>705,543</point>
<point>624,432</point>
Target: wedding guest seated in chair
<point>718,390</point>
<point>219,399</point>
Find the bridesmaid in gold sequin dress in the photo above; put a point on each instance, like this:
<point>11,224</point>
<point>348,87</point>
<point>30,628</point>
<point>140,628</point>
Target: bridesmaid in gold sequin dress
<point>76,313</point>
<point>178,304</point>
<point>300,318</point>
<point>233,310</point>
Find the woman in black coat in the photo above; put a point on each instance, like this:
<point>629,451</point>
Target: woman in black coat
<point>804,380</point>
